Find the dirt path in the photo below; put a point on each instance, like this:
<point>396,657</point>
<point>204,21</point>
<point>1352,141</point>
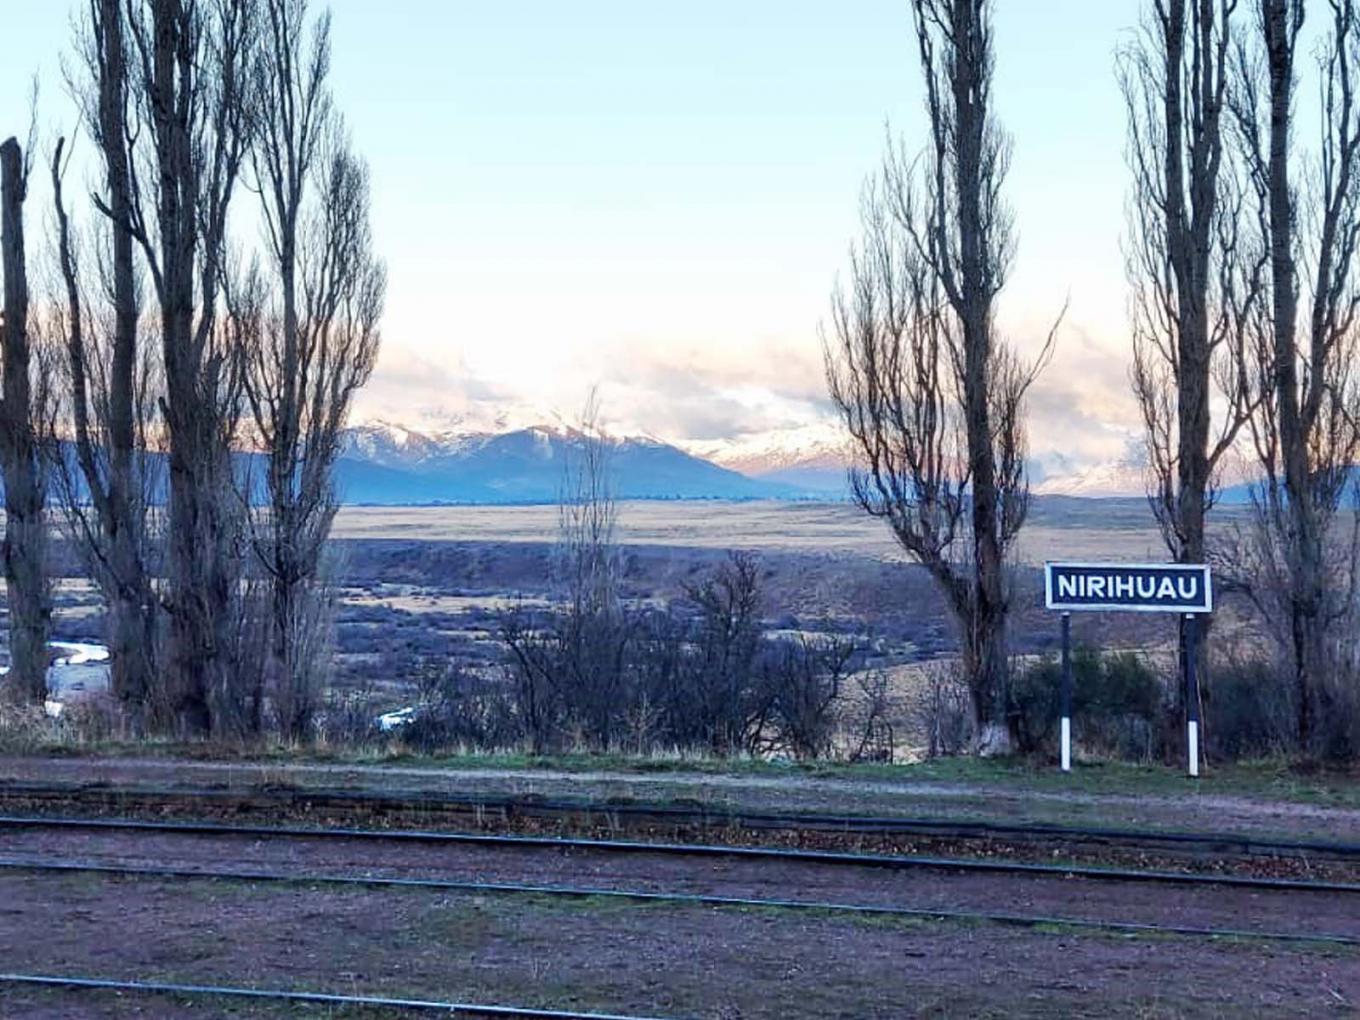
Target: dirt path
<point>1211,811</point>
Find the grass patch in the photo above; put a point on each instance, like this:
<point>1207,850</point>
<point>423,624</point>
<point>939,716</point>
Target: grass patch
<point>1275,779</point>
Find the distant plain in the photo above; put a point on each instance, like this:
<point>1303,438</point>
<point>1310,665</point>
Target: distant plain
<point>1059,527</point>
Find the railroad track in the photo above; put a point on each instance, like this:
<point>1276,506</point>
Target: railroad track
<point>302,877</point>
<point>681,899</point>
<point>698,850</point>
<point>282,996</point>
<point>492,811</point>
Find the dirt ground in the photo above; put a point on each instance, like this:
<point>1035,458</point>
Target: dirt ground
<point>1209,906</point>
<point>648,960</point>
<point>656,960</point>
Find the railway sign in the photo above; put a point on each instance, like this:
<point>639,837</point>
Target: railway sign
<point>1184,588</point>
<point>1135,587</point>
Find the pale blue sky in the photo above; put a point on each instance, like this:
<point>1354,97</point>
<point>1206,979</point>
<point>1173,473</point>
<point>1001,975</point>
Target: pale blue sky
<point>657,195</point>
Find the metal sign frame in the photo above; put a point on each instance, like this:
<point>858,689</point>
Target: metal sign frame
<point>1189,613</point>
<point>1200,570</point>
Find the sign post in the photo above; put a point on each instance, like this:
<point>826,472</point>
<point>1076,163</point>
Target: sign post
<point>1067,692</point>
<point>1191,694</point>
<point>1183,588</point>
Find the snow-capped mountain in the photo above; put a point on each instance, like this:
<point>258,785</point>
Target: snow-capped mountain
<point>390,463</point>
<point>810,457</point>
<point>1114,478</point>
<point>385,463</point>
<point>393,445</point>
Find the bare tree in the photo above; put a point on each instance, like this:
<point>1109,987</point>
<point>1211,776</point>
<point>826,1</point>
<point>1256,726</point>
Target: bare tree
<point>319,334</point>
<point>1193,290</point>
<point>107,483</point>
<point>722,701</point>
<point>588,516</point>
<point>572,669</point>
<point>1301,569</point>
<point>25,543</point>
<point>191,72</point>
<point>1190,298</point>
<point>932,398</point>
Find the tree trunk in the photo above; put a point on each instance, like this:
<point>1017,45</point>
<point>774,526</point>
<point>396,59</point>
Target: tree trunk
<point>198,125</point>
<point>25,529</point>
<point>1303,546</point>
<point>989,681</point>
<point>132,606</point>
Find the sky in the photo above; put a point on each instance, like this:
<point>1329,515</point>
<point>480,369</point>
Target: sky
<point>656,198</point>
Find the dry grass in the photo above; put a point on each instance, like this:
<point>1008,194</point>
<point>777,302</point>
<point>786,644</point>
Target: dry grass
<point>1072,529</point>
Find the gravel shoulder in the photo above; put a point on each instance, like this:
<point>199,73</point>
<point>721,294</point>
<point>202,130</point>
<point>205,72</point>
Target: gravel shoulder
<point>1199,807</point>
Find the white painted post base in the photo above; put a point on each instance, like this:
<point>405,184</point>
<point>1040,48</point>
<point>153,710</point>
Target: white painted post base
<point>1066,744</point>
<point>1192,744</point>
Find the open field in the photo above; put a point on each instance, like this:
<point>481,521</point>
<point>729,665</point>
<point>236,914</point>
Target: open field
<point>421,588</point>
<point>1115,529</point>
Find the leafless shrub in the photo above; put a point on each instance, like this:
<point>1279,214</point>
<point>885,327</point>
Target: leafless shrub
<point>804,677</point>
<point>348,719</point>
<point>942,710</point>
<point>24,727</point>
<point>722,703</point>
<point>1248,705</point>
<point>870,719</point>
<point>457,709</point>
<point>698,675</point>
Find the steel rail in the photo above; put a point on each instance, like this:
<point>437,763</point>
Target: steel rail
<point>867,825</point>
<point>675,899</point>
<point>466,1009</point>
<point>819,857</point>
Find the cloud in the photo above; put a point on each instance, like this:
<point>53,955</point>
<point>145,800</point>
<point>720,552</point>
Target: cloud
<point>1081,411</point>
<point>413,389</point>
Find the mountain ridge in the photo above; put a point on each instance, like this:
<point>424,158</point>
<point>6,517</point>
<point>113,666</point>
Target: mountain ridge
<point>383,463</point>
<point>386,462</point>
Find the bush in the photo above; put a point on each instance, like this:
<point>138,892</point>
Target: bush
<point>349,720</point>
<point>803,677</point>
<point>1116,702</point>
<point>457,710</point>
<point>1248,709</point>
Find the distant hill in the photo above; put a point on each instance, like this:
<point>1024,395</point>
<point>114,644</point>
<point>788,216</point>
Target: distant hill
<point>390,464</point>
<point>1240,495</point>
